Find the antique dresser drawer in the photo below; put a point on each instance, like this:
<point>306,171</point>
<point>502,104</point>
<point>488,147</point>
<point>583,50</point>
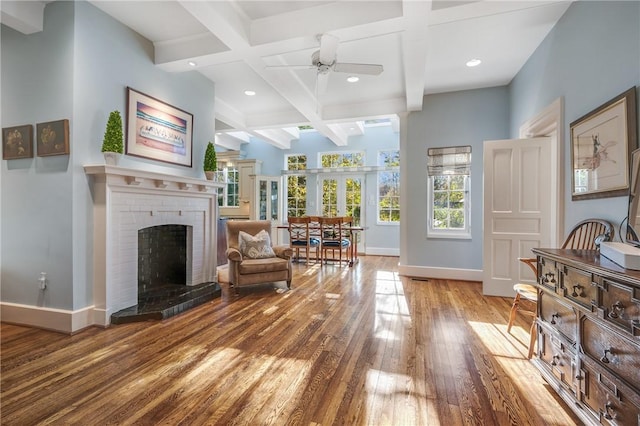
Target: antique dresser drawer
<point>579,287</point>
<point>558,316</point>
<point>558,356</point>
<point>547,273</point>
<point>613,351</point>
<point>608,403</point>
<point>620,305</point>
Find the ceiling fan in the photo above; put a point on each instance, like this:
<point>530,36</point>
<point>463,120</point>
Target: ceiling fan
<point>325,60</point>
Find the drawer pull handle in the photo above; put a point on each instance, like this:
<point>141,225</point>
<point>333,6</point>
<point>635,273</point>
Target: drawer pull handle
<point>604,357</point>
<point>616,310</point>
<point>553,318</point>
<point>577,291</point>
<point>550,278</point>
<point>579,377</point>
<point>609,411</point>
<point>554,360</point>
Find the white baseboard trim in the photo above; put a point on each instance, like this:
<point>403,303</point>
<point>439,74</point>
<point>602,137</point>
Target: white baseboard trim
<point>381,251</point>
<point>60,320</point>
<point>441,273</point>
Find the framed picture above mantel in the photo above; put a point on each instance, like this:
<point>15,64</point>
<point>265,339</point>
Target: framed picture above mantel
<point>601,146</point>
<point>157,130</point>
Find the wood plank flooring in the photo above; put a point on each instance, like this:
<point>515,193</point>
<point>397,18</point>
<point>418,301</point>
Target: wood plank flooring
<point>346,346</point>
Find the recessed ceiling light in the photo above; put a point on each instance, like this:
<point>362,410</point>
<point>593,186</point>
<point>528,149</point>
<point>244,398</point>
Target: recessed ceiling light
<point>249,92</point>
<point>192,63</point>
<point>353,79</point>
<point>474,63</point>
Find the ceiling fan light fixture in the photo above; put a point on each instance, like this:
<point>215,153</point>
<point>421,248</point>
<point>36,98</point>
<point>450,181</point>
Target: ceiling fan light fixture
<point>353,79</point>
<point>474,62</point>
<point>249,93</point>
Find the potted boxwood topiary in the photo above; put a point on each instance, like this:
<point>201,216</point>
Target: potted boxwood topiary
<point>112,143</point>
<point>210,162</point>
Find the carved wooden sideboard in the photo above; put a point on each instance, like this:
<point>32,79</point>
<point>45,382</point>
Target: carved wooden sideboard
<point>588,330</point>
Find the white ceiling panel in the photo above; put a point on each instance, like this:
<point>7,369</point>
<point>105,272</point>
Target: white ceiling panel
<point>423,47</point>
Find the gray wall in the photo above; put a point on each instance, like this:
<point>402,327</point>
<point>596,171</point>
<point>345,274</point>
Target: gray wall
<point>450,119</point>
<point>591,56</point>
<point>77,68</point>
<point>37,86</point>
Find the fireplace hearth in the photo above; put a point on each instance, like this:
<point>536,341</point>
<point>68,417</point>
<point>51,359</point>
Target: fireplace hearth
<point>127,201</point>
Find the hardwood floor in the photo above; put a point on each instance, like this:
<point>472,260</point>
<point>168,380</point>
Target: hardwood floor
<point>347,346</point>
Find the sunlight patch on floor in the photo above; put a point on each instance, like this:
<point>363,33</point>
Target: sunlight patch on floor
<point>391,306</point>
<point>393,399</point>
<point>510,353</point>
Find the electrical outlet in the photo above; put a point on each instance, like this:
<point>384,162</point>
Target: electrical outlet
<point>42,281</point>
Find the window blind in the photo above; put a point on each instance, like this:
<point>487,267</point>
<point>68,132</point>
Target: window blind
<point>455,160</point>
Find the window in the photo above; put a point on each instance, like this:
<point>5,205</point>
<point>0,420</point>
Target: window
<point>342,159</point>
<point>296,186</point>
<point>228,195</point>
<point>449,172</point>
<point>389,188</point>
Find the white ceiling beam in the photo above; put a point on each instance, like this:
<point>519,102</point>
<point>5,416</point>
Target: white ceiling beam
<point>414,51</point>
<point>293,131</point>
<point>232,117</point>
<point>227,141</point>
<point>243,136</point>
<point>288,118</point>
<point>222,19</point>
<point>277,137</point>
<point>26,17</point>
<point>186,48</point>
<point>321,19</point>
<point>364,110</point>
<point>229,115</point>
<point>231,28</point>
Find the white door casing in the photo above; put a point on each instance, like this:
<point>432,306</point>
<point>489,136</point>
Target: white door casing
<point>518,214</point>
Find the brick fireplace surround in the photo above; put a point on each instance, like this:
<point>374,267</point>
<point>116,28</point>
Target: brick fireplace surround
<point>127,200</point>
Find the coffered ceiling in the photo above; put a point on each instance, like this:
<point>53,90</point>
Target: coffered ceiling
<point>423,47</point>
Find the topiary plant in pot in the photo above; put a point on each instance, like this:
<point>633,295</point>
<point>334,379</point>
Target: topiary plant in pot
<point>210,162</point>
<point>113,141</point>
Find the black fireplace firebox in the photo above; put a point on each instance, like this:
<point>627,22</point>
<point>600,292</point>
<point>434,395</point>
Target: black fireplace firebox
<point>162,256</point>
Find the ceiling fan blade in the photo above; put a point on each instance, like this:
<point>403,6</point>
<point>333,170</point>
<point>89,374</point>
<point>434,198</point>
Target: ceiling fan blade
<point>370,69</point>
<point>328,48</point>
<point>291,67</point>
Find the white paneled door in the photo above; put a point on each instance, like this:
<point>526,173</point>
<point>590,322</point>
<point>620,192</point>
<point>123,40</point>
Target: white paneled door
<point>518,196</point>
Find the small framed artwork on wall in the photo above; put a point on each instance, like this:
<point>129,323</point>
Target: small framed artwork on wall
<point>17,142</point>
<point>52,138</point>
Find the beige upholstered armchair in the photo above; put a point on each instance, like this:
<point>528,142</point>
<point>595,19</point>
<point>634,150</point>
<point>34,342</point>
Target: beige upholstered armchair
<point>252,257</point>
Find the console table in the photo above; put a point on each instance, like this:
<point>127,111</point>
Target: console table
<point>588,331</point>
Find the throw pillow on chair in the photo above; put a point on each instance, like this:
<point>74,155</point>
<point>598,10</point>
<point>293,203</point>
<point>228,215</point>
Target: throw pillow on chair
<point>256,246</point>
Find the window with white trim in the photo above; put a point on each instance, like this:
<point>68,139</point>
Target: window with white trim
<point>228,195</point>
<point>342,159</point>
<point>389,187</point>
<point>449,208</point>
<point>296,186</point>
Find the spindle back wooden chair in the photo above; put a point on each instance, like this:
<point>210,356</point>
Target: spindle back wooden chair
<point>586,235</point>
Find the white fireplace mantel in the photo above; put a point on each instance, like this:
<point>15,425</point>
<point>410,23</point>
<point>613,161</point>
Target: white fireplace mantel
<point>127,200</point>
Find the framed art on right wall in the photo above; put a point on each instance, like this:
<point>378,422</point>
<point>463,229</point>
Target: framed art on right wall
<point>601,146</point>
